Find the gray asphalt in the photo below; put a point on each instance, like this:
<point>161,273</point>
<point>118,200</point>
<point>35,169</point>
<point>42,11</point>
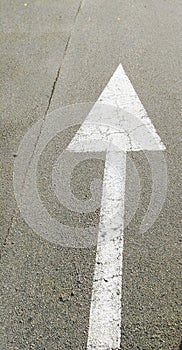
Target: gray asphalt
<point>64,52</point>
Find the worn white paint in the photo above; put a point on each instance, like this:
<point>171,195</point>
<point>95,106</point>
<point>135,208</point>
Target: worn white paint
<point>119,118</point>
<point>105,312</point>
<point>116,124</point>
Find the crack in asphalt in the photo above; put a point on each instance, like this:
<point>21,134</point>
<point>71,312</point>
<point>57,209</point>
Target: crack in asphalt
<point>52,91</point>
<point>7,234</point>
<point>44,118</point>
<point>64,55</point>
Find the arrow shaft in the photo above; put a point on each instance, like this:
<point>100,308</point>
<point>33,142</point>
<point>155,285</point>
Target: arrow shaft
<point>105,311</point>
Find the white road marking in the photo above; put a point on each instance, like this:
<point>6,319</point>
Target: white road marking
<point>116,124</point>
<point>118,95</point>
<point>105,312</point>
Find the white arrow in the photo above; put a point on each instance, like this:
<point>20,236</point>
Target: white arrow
<point>116,124</point>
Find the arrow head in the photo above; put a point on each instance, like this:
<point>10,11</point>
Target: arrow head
<point>117,120</point>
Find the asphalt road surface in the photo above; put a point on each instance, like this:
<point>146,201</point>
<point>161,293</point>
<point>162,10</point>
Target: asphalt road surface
<point>60,53</point>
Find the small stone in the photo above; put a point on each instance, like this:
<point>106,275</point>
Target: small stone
<point>61,299</point>
<point>30,319</point>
